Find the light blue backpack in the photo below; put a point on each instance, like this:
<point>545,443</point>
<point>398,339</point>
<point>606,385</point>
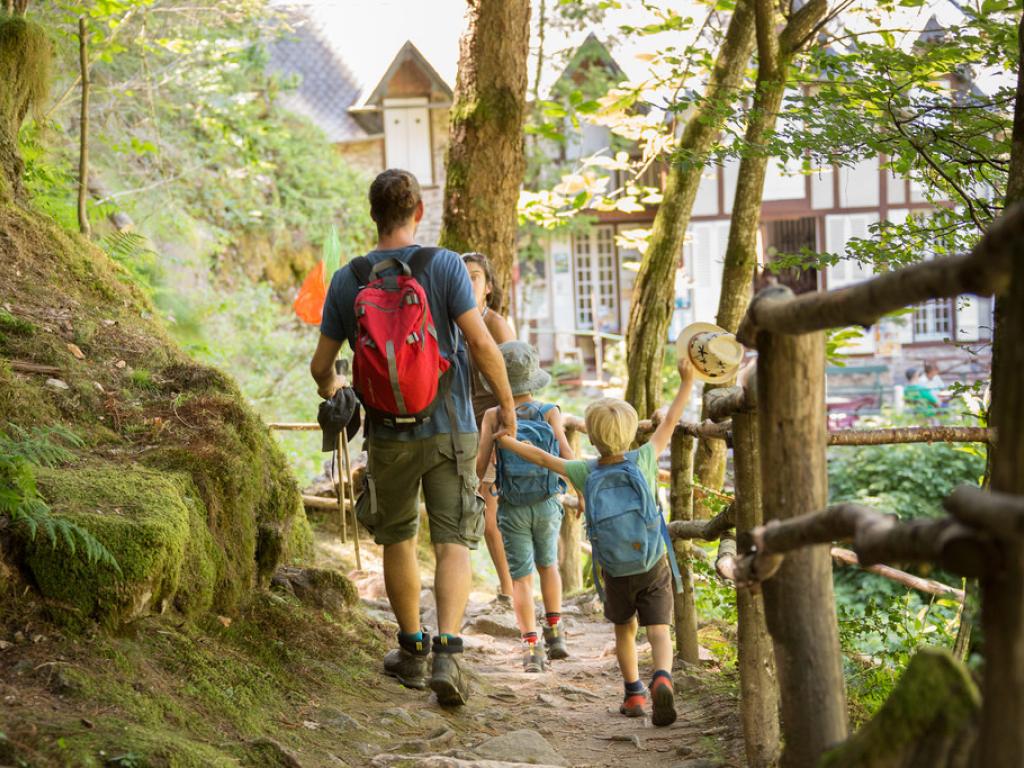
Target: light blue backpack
<point>520,482</point>
<point>625,526</point>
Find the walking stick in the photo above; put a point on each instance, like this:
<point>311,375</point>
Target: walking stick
<point>352,497</point>
<point>339,485</point>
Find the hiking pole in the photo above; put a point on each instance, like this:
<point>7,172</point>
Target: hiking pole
<point>339,486</point>
<point>352,497</point>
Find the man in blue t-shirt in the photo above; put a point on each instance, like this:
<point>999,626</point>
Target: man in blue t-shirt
<point>438,455</point>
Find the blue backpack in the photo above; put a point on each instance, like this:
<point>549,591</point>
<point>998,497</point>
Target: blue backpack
<point>624,522</point>
<point>520,482</point>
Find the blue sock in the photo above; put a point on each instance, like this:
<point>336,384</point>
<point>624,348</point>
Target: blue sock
<point>411,637</point>
<point>633,688</point>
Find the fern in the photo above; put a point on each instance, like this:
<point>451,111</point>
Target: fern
<point>22,505</point>
<point>133,252</point>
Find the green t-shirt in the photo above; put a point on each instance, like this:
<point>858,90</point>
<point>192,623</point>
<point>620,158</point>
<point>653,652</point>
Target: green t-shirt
<point>646,460</point>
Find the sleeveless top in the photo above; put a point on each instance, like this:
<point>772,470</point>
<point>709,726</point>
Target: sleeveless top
<point>482,399</point>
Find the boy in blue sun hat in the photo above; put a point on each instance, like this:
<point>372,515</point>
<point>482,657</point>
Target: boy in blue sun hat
<point>529,510</point>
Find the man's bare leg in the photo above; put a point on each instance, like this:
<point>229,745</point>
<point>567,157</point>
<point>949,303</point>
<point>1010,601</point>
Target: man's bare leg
<point>402,582</point>
<point>453,578</point>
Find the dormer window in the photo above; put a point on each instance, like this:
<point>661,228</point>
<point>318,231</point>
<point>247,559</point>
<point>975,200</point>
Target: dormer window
<point>407,137</point>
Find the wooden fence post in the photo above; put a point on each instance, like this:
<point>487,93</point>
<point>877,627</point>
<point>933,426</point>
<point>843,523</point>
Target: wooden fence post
<point>799,601</point>
<point>681,503</point>
<point>759,687</point>
<point>570,563</point>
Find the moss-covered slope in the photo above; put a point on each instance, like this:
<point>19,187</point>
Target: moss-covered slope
<point>176,476</point>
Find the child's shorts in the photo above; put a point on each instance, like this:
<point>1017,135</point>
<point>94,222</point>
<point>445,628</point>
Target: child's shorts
<point>530,535</point>
<point>645,595</point>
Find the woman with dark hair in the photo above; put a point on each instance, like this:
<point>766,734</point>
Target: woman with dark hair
<point>488,301</point>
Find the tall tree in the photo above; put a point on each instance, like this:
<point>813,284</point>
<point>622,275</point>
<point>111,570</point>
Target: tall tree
<point>775,55</point>
<point>486,161</point>
<point>25,59</point>
<point>651,310</point>
<point>1002,591</point>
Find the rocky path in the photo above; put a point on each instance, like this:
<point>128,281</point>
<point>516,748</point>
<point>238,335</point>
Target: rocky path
<point>567,716</point>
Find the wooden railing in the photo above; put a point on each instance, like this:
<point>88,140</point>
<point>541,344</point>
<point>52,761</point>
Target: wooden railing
<point>779,431</point>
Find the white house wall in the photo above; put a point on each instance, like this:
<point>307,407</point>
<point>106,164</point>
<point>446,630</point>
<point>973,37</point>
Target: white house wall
<point>858,184</point>
<point>839,230</point>
<point>784,182</point>
<point>706,202</point>
<point>704,256</point>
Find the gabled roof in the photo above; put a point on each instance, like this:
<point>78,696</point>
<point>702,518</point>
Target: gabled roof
<point>589,53</point>
<point>329,92</point>
<point>407,53</point>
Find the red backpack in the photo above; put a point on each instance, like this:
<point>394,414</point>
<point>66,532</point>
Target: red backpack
<point>398,368</point>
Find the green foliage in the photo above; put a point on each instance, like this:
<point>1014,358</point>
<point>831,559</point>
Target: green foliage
<point>881,626</point>
<point>879,91</point>
<point>21,452</point>
<point>910,480</point>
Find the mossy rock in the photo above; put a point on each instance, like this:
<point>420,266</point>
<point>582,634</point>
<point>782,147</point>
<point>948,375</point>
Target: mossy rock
<point>317,587</point>
<point>928,721</point>
<point>154,524</point>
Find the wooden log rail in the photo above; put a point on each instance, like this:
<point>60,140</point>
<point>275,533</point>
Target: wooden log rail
<point>983,271</point>
<point>876,538</point>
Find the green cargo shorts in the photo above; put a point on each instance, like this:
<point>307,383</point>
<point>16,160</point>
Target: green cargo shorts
<point>388,503</point>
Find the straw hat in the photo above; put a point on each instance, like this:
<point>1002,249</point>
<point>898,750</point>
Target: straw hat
<point>714,352</point>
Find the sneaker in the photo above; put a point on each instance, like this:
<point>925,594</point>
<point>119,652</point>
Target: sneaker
<point>502,603</point>
<point>533,661</point>
<point>664,701</point>
<point>410,669</point>
<point>447,679</point>
<point>554,643</point>
<point>633,705</point>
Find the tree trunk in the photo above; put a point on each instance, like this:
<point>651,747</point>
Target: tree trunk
<point>653,296</point>
<point>1002,591</point>
<point>775,53</point>
<point>83,131</point>
<point>799,601</point>
<point>25,59</point>
<point>681,501</point>
<point>485,161</point>
<point>570,564</point>
<point>759,688</point>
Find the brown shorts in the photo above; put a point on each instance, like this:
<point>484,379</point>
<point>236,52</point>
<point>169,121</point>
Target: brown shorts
<point>646,595</point>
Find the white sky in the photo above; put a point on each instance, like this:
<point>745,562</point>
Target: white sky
<point>369,33</point>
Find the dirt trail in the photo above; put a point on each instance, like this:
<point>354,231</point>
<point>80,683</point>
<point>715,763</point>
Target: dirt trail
<point>573,705</point>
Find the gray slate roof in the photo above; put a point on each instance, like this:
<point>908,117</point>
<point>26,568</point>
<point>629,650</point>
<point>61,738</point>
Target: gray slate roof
<point>326,86</point>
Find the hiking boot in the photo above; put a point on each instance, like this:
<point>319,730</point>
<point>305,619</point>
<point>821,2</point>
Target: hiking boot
<point>633,704</point>
<point>447,679</point>
<point>554,643</point>
<point>408,663</point>
<point>533,660</point>
<point>663,699</point>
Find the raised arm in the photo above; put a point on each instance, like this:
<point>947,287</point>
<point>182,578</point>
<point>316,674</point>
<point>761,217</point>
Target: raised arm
<point>533,454</point>
<point>663,434</point>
